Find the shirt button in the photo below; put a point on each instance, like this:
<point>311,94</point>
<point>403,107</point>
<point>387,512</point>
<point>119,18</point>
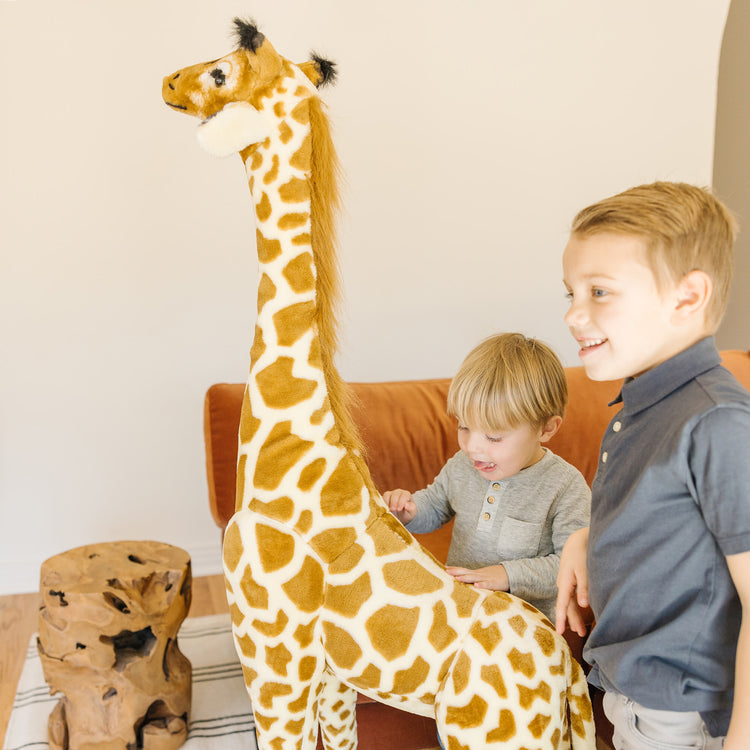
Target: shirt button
<point>604,457</point>
<point>490,499</point>
<point>617,426</point>
<point>496,485</point>
<point>486,516</point>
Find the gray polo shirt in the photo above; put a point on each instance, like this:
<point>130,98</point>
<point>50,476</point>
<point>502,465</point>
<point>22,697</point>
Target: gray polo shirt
<point>521,521</point>
<point>670,500</point>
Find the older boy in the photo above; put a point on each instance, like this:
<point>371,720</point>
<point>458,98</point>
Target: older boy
<point>668,565</point>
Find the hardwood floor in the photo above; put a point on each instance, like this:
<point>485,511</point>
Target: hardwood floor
<point>18,621</point>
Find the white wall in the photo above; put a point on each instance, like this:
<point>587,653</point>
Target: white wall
<point>470,134</point>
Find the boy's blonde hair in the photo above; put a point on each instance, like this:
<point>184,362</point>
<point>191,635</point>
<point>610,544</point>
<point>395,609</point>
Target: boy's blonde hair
<point>685,228</point>
<point>506,381</point>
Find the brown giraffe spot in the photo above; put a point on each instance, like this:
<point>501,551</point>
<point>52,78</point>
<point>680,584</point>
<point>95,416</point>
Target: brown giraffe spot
<point>247,646</point>
<point>340,646</point>
<point>240,483</point>
<point>406,681</point>
<point>556,739</point>
<point>445,666</point>
<point>386,539</point>
<point>280,509</point>
<point>279,110</point>
<point>315,360</point>
<point>248,423</point>
<point>271,690</point>
<point>302,239</point>
<point>488,637</point>
<point>461,673</point>
<point>341,495</point>
<point>275,548</point>
<point>506,727</point>
<point>266,291</point>
<point>311,473</point>
<point>273,172</point>
<point>558,669</point>
<point>304,634</point>
<point>546,640</point>
<point>369,679</point>
<point>293,728</point>
<point>348,560</point>
<point>329,544</point>
<point>301,703</point>
<point>258,347</point>
<point>306,668</point>
<point>468,716</point>
<point>538,724</point>
<point>582,710</point>
<point>293,322</point>
<point>523,663</point>
<point>268,250</point>
<point>263,209</point>
<point>518,624</point>
<point>464,597</point>
<point>347,600</point>
<point>526,696</point>
<point>301,157</point>
<point>236,614</point>
<point>256,160</point>
<point>278,658</point>
<point>299,273</point>
<point>409,577</point>
<point>305,589</point>
<point>391,629</point>
<point>304,522</point>
<point>232,547</point>
<point>441,634</point>
<point>294,191</point>
<point>256,596</point>
<point>249,675</point>
<point>263,721</point>
<point>493,676</point>
<point>530,608</point>
<point>293,221</point>
<point>498,602</point>
<point>301,113</point>
<point>285,133</point>
<point>280,389</point>
<point>275,628</point>
<point>280,451</point>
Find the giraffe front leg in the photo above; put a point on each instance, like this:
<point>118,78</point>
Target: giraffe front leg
<point>271,588</point>
<point>337,704</point>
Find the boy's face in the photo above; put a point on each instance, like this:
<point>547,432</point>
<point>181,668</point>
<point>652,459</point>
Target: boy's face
<point>621,321</point>
<point>502,454</point>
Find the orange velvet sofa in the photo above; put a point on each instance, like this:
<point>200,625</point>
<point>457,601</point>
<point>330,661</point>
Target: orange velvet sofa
<point>408,437</point>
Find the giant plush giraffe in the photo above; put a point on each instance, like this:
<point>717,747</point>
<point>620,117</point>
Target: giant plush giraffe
<point>328,592</point>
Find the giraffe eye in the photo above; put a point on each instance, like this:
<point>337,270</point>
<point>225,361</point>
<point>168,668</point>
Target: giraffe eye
<point>218,75</point>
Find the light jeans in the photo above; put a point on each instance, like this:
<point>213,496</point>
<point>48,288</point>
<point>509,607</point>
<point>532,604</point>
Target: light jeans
<point>641,728</point>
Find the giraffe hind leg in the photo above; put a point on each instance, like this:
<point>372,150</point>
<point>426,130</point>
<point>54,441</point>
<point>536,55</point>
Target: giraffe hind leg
<point>337,712</point>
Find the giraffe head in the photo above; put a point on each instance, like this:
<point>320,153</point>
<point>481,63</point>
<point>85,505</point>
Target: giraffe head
<point>226,94</point>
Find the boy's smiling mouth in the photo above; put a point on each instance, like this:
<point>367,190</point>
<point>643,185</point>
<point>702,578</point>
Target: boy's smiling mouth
<point>484,465</point>
<point>589,344</point>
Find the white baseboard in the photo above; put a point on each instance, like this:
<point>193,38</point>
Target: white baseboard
<point>22,576</point>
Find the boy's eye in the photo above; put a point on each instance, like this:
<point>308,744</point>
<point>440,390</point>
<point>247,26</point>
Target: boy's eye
<point>597,292</point>
<point>494,438</point>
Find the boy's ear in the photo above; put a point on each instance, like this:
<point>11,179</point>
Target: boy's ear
<point>550,428</point>
<point>692,296</point>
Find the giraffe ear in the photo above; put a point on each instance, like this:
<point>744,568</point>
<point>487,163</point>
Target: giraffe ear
<point>233,128</point>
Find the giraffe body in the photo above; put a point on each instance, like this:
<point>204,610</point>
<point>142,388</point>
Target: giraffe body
<point>328,592</point>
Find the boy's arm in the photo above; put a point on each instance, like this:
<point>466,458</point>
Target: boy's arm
<point>739,727</point>
<point>573,585</point>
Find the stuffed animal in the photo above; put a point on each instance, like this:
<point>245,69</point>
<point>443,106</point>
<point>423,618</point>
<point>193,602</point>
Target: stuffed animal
<point>329,594</point>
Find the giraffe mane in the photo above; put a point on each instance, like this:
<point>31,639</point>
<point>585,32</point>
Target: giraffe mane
<point>325,205</point>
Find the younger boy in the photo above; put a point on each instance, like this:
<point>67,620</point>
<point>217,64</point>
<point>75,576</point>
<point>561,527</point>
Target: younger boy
<point>647,274</point>
<point>514,501</point>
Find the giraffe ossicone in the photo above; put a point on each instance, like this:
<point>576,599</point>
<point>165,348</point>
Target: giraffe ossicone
<point>328,592</point>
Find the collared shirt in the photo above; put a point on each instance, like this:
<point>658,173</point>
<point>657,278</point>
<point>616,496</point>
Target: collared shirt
<point>521,521</point>
<point>670,500</point>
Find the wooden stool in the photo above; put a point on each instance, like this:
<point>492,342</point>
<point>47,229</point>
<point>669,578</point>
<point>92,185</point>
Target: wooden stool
<point>108,641</point>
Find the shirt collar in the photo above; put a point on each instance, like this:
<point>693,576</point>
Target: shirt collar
<point>644,391</point>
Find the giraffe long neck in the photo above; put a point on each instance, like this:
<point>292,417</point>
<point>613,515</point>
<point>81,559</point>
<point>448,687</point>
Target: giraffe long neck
<point>299,453</point>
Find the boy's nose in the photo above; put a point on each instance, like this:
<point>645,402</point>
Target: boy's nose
<point>575,315</point>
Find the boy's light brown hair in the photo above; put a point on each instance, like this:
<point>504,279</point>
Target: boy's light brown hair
<point>685,228</point>
<point>506,381</point>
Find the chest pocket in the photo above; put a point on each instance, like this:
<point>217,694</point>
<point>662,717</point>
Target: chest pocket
<point>518,539</point>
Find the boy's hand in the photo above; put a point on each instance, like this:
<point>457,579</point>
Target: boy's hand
<point>401,504</point>
<point>493,577</point>
<point>573,585</point>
